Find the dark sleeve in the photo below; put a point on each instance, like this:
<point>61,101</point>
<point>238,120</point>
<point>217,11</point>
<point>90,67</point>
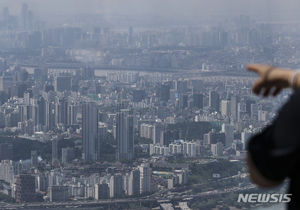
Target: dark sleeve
<point>275,150</point>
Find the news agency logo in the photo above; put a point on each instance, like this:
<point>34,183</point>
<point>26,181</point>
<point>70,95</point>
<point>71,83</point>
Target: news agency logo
<point>264,198</point>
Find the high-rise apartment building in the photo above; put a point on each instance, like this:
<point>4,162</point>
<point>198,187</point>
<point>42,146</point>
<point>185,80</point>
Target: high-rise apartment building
<point>24,15</point>
<point>157,129</point>
<point>263,116</point>
<point>6,84</point>
<point>165,92</point>
<point>102,190</point>
<point>138,95</point>
<point>181,86</point>
<point>198,100</point>
<point>124,134</point>
<point>42,182</point>
<point>90,138</point>
<point>134,183</point>
<point>254,110</point>
<point>183,101</point>
<point>233,103</point>
<point>214,100</point>
<point>217,149</point>
<point>5,13</point>
<point>8,169</point>
<point>116,185</point>
<point>72,115</point>
<point>130,35</point>
<point>50,115</point>
<point>175,148</point>
<point>195,85</point>
<point>146,130</point>
<point>144,178</point>
<point>38,73</point>
<point>41,116</point>
<point>62,84</point>
<point>61,111</point>
<point>229,134</point>
<point>225,108</point>
<point>59,193</point>
<point>30,20</point>
<point>248,106</point>
<point>88,72</point>
<point>34,158</point>
<point>189,148</point>
<point>241,110</point>
<point>67,155</point>
<point>166,137</point>
<point>245,137</point>
<point>159,149</point>
<point>54,149</point>
<point>25,188</point>
<point>173,95</point>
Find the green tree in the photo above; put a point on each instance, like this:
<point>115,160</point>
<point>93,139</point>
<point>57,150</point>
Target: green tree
<point>196,130</point>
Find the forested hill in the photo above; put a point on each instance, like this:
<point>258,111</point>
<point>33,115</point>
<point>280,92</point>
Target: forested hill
<point>196,130</point>
<point>22,147</point>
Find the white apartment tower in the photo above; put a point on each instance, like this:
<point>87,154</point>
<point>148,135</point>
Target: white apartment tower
<point>134,183</point>
<point>217,149</point>
<point>225,108</point>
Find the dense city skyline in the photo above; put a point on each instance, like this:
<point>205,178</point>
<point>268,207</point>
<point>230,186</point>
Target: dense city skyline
<point>112,102</point>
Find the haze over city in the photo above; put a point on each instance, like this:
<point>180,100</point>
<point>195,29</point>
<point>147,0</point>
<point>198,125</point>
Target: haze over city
<point>136,104</point>
<point>275,10</point>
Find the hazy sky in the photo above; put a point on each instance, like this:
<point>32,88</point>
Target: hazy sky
<point>287,8</point>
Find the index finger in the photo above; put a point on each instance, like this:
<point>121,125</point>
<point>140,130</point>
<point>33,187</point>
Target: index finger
<point>253,67</point>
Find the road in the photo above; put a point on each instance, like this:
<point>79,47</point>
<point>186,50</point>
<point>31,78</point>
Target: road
<point>90,204</point>
<point>157,197</point>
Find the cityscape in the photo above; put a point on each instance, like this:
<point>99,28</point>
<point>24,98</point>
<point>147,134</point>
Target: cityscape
<point>125,111</point>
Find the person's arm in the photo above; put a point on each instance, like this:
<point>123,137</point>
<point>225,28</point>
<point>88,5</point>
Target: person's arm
<point>270,157</point>
<point>257,178</point>
<point>271,77</point>
<point>272,153</point>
